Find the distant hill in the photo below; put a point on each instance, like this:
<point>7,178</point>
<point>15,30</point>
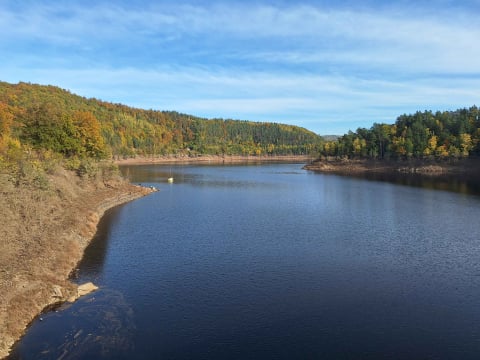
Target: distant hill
<point>52,118</point>
<point>331,137</point>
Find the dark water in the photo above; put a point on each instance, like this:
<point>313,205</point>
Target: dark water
<point>273,262</point>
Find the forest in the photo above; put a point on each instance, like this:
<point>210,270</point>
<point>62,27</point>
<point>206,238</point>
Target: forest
<point>53,121</point>
<point>423,135</point>
<point>37,117</point>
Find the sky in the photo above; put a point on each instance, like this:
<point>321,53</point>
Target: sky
<point>328,66</point>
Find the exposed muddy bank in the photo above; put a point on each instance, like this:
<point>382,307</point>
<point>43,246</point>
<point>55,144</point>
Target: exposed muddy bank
<point>45,234</point>
<point>215,159</point>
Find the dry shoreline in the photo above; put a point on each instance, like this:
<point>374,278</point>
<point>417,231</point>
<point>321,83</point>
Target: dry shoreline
<point>46,233</point>
<point>470,167</point>
<point>214,159</point>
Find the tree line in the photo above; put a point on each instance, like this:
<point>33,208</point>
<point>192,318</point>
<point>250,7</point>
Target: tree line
<point>34,117</point>
<point>47,117</point>
<point>447,134</point>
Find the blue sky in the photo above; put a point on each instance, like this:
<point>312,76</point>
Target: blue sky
<point>328,66</point>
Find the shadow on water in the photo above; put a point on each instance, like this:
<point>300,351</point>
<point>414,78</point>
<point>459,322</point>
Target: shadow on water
<point>464,184</point>
<point>99,325</point>
<point>93,261</point>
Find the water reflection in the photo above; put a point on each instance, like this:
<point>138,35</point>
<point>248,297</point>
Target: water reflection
<point>151,174</point>
<point>464,184</point>
<point>219,175</point>
<point>220,266</point>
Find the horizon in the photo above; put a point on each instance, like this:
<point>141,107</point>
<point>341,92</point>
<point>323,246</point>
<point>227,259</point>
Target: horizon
<point>326,67</point>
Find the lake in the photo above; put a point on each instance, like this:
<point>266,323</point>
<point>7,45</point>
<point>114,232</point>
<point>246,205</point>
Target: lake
<point>269,261</point>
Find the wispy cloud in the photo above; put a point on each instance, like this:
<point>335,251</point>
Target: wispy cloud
<point>310,101</point>
<point>291,63</point>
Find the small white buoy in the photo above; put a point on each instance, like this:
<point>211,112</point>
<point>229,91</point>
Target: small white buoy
<point>170,179</point>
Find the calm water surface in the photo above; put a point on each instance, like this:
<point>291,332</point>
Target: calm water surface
<point>274,262</point>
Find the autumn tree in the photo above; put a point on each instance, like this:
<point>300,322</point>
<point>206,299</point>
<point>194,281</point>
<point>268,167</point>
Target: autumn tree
<point>423,134</point>
<point>89,134</point>
<point>47,126</point>
<point>6,121</point>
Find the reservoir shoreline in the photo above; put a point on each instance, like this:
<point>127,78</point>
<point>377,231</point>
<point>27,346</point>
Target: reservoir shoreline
<point>213,159</point>
<point>465,167</point>
<point>46,233</point>
<point>214,267</point>
<point>35,272</point>
<point>34,275</point>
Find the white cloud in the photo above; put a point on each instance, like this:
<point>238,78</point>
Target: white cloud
<point>260,96</point>
<point>291,63</point>
<point>396,39</point>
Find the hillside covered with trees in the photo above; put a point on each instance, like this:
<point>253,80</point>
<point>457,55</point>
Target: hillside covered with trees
<point>47,117</point>
<point>423,135</point>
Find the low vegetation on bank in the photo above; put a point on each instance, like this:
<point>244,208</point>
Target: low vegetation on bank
<point>49,209</point>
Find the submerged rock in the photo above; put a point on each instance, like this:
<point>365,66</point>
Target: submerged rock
<point>86,288</point>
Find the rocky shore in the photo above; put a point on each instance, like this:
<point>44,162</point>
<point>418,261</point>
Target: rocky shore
<point>44,234</point>
<point>470,167</point>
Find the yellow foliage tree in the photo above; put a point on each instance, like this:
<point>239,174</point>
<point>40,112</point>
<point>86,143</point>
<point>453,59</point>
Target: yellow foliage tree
<point>88,128</point>
<point>6,121</point>
<point>432,145</point>
<point>466,144</point>
<point>359,146</point>
<point>442,151</point>
<point>398,145</point>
